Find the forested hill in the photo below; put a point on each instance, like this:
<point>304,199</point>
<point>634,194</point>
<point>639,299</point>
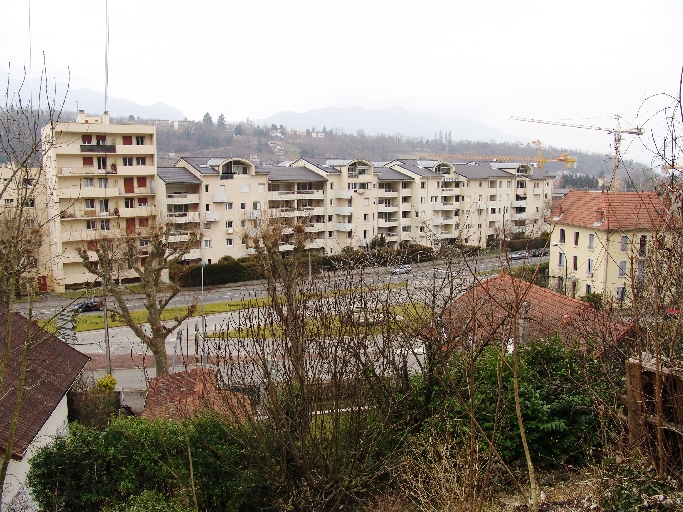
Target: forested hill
<point>274,144</point>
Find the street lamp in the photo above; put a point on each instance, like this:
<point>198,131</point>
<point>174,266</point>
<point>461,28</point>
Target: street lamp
<point>203,264</point>
<point>564,257</point>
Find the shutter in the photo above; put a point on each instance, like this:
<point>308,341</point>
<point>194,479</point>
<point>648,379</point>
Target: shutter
<point>87,139</point>
<point>88,161</point>
<point>142,182</point>
<point>127,140</point>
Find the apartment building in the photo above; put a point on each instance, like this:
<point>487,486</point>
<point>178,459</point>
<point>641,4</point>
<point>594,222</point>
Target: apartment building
<point>600,240</point>
<point>101,181</point>
<point>350,202</point>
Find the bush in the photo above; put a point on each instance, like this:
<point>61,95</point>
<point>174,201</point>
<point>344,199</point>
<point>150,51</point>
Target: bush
<point>133,460</point>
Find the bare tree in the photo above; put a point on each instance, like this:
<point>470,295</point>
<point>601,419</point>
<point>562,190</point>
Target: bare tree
<point>124,251</point>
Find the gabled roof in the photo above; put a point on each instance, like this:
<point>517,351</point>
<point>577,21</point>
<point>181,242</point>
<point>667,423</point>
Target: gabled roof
<point>200,163</point>
<point>611,211</point>
<point>183,394</point>
<point>52,368</point>
<point>177,175</point>
<point>389,174</point>
<point>413,166</point>
<point>481,172</point>
<point>299,174</point>
<point>491,307</point>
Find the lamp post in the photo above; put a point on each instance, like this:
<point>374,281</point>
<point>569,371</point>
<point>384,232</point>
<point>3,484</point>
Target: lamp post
<point>564,257</point>
<point>203,264</point>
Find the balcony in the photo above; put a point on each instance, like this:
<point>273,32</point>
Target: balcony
<point>68,171</point>
<point>343,226</point>
<point>182,198</point>
<point>137,191</point>
<point>177,238</point>
<point>481,205</point>
<point>253,214</point>
<point>437,207</point>
<point>286,247</point>
<point>519,204</point>
<point>387,222</point>
<point>98,148</point>
<point>212,216</point>
<point>316,243</point>
<point>229,231</point>
<point>437,221</point>
<point>388,207</point>
<point>387,192</point>
<point>343,194</point>
<point>140,211</point>
<point>518,216</point>
<point>193,254</point>
<point>80,235</point>
<point>183,217</point>
<point>314,227</point>
<point>343,210</point>
<point>220,197</point>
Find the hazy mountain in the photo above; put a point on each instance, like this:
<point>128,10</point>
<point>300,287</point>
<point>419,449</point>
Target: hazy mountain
<point>388,121</point>
<point>93,101</point>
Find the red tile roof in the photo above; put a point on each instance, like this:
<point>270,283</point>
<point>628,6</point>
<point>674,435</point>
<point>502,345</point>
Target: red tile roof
<point>182,394</point>
<point>611,210</point>
<point>487,311</point>
<point>52,368</point>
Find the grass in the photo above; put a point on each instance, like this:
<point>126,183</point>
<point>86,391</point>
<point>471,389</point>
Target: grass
<point>94,322</point>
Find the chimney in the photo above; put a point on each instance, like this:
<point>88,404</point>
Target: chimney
<point>81,116</point>
<point>524,324</point>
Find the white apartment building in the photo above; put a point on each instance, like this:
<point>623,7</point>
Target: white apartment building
<point>100,181</point>
<point>349,202</point>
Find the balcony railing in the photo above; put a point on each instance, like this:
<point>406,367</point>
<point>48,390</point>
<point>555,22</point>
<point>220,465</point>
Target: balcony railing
<point>98,148</point>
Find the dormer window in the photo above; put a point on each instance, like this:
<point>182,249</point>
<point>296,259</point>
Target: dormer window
<point>356,169</point>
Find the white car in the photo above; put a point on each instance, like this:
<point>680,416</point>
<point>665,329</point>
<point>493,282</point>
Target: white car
<point>402,269</point>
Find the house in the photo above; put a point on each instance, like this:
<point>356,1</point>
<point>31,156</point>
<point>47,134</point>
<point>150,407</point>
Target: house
<point>600,239</point>
<point>52,368</point>
<point>183,394</point>
<point>490,311</point>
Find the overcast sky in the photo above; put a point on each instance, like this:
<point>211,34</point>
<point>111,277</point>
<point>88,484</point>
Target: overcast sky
<point>580,61</point>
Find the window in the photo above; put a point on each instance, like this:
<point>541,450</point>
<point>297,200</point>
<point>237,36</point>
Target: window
<point>331,186</point>
<point>561,236</point>
<point>422,200</point>
<point>434,199</point>
<point>243,206</point>
<point>208,207</point>
<point>228,224</point>
<point>128,161</point>
<point>365,217</point>
<point>560,284</point>
<point>261,187</point>
<point>104,205</point>
<point>89,183</point>
<point>366,201</point>
<point>144,243</point>
<point>207,225</point>
<point>127,140</point>
<point>404,184</point>
<point>139,140</point>
<point>624,243</point>
<point>575,263</point>
<point>588,289</point>
<point>143,223</point>
<point>576,238</point>
<point>102,182</point>
<point>142,201</point>
<point>104,224</point>
<point>423,185</point>
<point>245,188</point>
<point>206,188</point>
<point>207,244</point>
<point>90,225</point>
<point>101,140</point>
<point>329,218</point>
<point>330,234</point>
<point>642,247</point>
<point>589,266</point>
<point>86,139</point>
<point>493,210</point>
<point>560,260</point>
<point>622,269</point>
<point>228,206</point>
<point>30,203</point>
<point>140,160</point>
<point>621,293</point>
<point>101,162</point>
<point>129,203</point>
<point>591,241</point>
<point>89,204</point>
<point>228,242</point>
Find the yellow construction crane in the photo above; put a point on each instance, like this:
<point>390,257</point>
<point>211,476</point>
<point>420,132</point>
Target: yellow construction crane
<point>569,161</point>
<point>496,158</point>
<point>617,132</point>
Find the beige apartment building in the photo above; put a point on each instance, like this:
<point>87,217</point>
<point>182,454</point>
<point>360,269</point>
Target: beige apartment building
<point>101,181</point>
<point>600,240</point>
<point>350,202</point>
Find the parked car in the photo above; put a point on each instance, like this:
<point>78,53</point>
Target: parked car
<point>402,269</point>
<point>519,255</point>
<point>91,304</point>
<point>539,253</point>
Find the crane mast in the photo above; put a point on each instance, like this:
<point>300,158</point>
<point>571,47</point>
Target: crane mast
<point>617,132</point>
